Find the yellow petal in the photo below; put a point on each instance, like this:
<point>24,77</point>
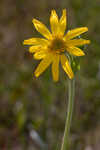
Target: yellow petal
<point>35,41</point>
<point>54,22</point>
<point>36,48</point>
<point>40,55</point>
<point>75,32</point>
<point>75,51</point>
<point>43,65</point>
<point>55,68</point>
<point>62,23</point>
<point>78,42</point>
<point>40,27</point>
<point>66,66</point>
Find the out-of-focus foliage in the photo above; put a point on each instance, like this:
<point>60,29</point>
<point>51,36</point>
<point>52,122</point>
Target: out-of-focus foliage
<point>33,111</point>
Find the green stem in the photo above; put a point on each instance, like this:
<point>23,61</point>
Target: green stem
<point>65,143</point>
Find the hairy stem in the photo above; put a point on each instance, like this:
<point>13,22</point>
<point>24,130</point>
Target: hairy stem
<point>65,142</point>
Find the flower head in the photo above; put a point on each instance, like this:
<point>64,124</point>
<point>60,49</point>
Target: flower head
<point>52,48</point>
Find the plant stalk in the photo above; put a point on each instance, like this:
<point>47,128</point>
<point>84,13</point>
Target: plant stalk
<point>65,142</point>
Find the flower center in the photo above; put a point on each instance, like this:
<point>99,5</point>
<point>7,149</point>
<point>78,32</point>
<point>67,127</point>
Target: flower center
<point>57,45</point>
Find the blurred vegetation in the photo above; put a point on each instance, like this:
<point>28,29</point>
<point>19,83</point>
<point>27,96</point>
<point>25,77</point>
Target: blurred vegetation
<point>33,111</point>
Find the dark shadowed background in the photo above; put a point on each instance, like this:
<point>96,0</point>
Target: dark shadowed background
<point>33,111</point>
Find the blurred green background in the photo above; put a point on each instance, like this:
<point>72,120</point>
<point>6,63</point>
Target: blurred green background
<point>33,111</point>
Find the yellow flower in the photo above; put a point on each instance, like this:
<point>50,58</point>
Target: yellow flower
<point>56,43</point>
